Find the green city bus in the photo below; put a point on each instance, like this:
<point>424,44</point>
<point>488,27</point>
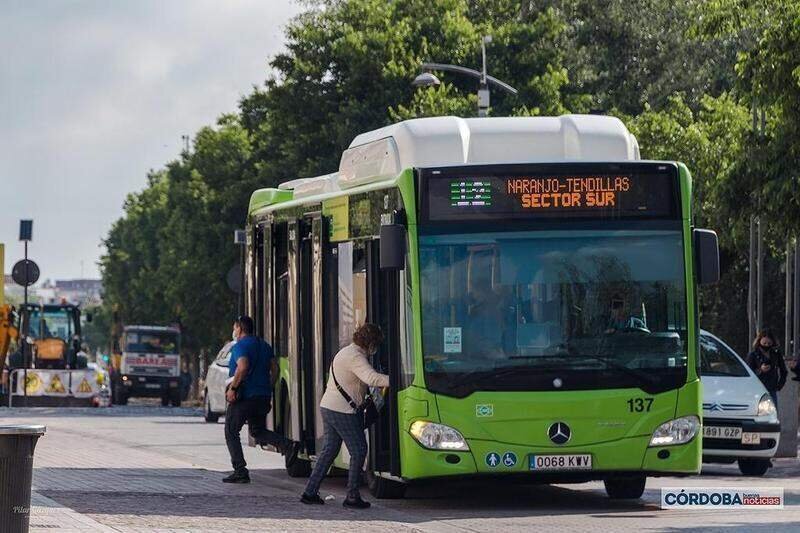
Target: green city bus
<point>537,285</point>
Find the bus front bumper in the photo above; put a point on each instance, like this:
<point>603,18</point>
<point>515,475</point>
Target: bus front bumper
<point>626,456</point>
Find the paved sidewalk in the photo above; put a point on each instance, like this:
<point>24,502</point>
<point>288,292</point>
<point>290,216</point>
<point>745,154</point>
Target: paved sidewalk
<point>153,469</point>
<point>49,515</point>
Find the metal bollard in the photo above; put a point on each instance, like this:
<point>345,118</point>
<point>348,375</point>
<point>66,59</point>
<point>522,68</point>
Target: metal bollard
<point>17,443</point>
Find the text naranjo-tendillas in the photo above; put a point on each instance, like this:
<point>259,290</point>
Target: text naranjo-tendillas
<point>587,191</point>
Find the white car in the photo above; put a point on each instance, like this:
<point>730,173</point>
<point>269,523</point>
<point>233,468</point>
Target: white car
<point>216,380</point>
<point>740,420</point>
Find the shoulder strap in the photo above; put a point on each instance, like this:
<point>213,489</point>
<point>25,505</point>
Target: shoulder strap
<point>340,389</point>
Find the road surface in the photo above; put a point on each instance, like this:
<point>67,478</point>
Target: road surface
<point>148,468</point>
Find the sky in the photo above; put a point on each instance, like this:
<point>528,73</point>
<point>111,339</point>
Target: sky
<point>94,94</point>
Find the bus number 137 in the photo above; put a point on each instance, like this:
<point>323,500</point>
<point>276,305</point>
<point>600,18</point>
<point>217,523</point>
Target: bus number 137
<point>638,405</point>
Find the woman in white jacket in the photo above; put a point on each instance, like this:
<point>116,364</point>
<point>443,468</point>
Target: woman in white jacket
<point>355,374</point>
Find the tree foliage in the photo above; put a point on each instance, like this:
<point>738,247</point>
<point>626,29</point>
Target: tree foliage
<point>684,75</point>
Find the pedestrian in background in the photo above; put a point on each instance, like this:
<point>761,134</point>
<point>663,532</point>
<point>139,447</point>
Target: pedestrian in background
<point>253,370</point>
<point>185,380</point>
<point>767,362</point>
<point>352,371</point>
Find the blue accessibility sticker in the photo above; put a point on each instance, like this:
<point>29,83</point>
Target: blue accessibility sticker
<point>492,459</point>
<point>509,459</point>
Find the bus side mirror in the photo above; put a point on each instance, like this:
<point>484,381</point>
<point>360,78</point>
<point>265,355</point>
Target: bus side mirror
<point>393,247</point>
<point>706,256</point>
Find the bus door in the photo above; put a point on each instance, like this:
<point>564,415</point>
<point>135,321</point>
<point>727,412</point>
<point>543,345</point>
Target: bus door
<point>309,385</point>
<point>383,308</point>
<point>265,258</point>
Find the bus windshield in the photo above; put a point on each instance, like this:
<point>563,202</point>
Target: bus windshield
<point>597,309</point>
<point>152,342</point>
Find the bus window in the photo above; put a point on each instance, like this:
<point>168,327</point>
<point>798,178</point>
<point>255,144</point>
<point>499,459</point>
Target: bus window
<point>352,274</point>
<point>359,286</point>
<point>563,299</point>
<point>407,330</point>
<point>330,302</point>
<point>282,291</point>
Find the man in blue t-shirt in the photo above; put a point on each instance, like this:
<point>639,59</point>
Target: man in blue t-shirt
<point>251,365</point>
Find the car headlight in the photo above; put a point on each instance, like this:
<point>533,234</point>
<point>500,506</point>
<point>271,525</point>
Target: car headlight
<point>678,431</point>
<point>766,406</point>
<point>437,436</point>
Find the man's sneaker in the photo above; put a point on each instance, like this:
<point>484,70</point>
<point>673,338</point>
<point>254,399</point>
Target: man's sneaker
<point>291,451</point>
<point>311,499</point>
<point>355,502</point>
<point>237,477</point>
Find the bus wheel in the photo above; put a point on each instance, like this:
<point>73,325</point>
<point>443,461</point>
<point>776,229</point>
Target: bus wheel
<point>384,489</point>
<point>164,400</point>
<point>754,467</point>
<point>175,400</point>
<point>299,467</point>
<point>625,488</point>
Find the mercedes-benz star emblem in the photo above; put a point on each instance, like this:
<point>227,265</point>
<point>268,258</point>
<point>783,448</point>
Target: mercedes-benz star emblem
<point>559,433</point>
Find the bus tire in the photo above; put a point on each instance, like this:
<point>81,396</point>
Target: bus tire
<point>175,399</point>
<point>754,466</point>
<point>384,489</point>
<point>625,488</point>
<point>299,467</point>
<point>165,400</point>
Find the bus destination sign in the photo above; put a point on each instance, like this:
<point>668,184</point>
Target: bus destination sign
<point>607,195</point>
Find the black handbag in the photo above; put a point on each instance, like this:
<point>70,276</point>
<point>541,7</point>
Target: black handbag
<point>367,411</point>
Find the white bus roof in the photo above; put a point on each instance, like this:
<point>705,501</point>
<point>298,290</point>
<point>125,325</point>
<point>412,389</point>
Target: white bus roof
<point>448,141</point>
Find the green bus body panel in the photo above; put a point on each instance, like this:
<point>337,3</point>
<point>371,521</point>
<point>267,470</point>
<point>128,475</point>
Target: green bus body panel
<point>601,422</point>
<point>266,197</point>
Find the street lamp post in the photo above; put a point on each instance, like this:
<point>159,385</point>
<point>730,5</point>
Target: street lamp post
<point>428,79</point>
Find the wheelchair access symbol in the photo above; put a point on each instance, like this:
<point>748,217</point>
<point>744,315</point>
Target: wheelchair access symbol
<point>492,459</point>
<point>509,459</point>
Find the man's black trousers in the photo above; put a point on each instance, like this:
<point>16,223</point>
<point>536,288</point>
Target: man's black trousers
<point>253,412</point>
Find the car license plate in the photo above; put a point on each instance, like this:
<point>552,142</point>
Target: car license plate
<point>751,438</point>
<point>560,462</point>
<point>715,432</point>
<point>152,386</point>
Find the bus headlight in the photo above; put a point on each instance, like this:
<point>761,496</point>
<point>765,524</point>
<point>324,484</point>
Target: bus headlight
<point>766,406</point>
<point>678,431</point>
<point>438,436</point>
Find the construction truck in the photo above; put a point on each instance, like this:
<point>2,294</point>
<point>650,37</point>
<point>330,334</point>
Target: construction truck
<point>54,331</point>
<point>148,365</point>
<point>49,366</point>
<point>8,333</point>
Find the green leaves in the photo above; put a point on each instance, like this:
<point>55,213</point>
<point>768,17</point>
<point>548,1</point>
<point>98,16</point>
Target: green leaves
<point>682,74</point>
